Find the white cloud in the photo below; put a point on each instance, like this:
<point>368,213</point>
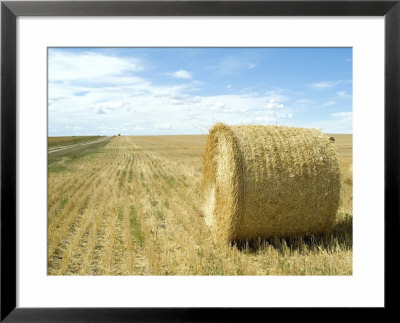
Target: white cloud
<point>343,95</point>
<point>164,126</point>
<point>342,114</point>
<point>133,105</point>
<point>266,118</point>
<point>156,106</point>
<point>328,84</point>
<point>303,102</point>
<point>176,101</point>
<point>284,115</point>
<point>329,103</point>
<point>64,66</point>
<point>241,102</point>
<point>232,65</point>
<point>277,95</point>
<point>273,104</point>
<point>323,85</point>
<point>182,74</point>
<point>183,99</point>
<point>342,122</point>
<point>272,115</point>
<point>111,105</point>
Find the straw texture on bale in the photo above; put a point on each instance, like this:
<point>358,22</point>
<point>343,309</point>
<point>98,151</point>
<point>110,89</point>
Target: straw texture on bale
<point>269,181</point>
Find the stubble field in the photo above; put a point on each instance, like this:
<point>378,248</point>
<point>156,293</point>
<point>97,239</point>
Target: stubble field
<point>132,206</point>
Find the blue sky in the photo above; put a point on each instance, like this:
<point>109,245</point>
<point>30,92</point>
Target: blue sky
<point>163,91</point>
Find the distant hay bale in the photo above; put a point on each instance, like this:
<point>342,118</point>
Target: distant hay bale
<point>332,139</point>
<point>269,181</point>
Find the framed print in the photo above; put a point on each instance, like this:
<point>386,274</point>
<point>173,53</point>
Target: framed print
<point>160,158</point>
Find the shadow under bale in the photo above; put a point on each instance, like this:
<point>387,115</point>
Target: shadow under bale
<point>339,238</point>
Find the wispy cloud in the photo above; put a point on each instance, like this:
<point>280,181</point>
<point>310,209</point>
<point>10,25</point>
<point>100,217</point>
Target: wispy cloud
<point>323,85</point>
<point>69,66</point>
<point>329,103</point>
<point>232,65</point>
<point>164,126</point>
<point>342,114</point>
<point>327,84</point>
<point>303,102</point>
<point>125,94</point>
<point>278,95</point>
<point>343,95</point>
<point>273,104</point>
<point>181,74</point>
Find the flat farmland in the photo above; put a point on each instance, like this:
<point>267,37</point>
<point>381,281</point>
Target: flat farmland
<point>133,206</point>
<point>56,142</point>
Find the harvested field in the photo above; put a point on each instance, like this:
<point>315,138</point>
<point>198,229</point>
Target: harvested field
<point>54,142</point>
<point>132,206</point>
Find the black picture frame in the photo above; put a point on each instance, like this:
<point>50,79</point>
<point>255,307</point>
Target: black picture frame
<point>10,10</point>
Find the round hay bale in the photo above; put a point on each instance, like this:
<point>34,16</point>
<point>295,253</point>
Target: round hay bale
<point>269,181</point>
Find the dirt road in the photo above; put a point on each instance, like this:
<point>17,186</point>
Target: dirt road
<point>54,149</point>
